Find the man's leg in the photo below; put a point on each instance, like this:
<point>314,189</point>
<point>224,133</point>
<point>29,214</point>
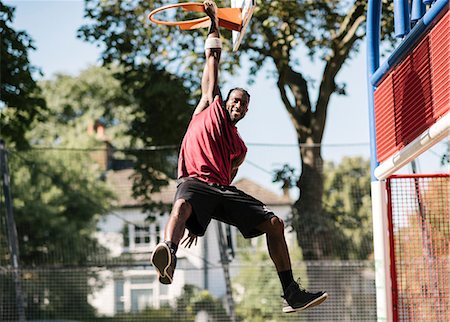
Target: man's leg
<point>296,298</point>
<point>174,231</point>
<point>276,243</point>
<point>278,250</point>
<point>163,257</point>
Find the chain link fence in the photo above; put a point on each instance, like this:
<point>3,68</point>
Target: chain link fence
<point>72,294</point>
<point>84,250</point>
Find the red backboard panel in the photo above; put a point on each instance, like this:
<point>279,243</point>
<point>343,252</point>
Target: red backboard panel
<point>385,125</point>
<point>415,94</point>
<point>440,73</point>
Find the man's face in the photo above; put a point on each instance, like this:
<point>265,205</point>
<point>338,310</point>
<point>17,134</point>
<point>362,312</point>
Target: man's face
<point>237,105</point>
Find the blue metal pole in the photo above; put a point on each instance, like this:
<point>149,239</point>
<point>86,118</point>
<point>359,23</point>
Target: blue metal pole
<point>401,18</point>
<point>409,42</point>
<point>373,62</point>
<point>418,9</point>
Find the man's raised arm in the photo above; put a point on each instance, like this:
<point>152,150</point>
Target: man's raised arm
<point>213,48</point>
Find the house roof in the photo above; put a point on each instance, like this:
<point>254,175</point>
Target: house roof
<point>121,183</point>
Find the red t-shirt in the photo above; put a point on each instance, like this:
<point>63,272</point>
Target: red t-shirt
<point>210,145</point>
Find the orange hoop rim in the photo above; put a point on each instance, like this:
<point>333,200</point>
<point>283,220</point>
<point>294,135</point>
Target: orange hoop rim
<point>178,23</point>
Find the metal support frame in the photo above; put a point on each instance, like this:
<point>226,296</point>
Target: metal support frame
<point>13,243</point>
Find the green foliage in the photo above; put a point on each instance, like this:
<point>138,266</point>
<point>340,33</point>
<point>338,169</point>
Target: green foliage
<point>132,41</point>
<point>285,175</point>
<point>137,112</point>
<point>347,203</point>
<point>58,199</point>
<point>48,293</point>
<point>279,28</point>
<point>190,302</point>
<point>194,300</point>
<point>163,314</point>
<point>20,98</point>
<point>52,292</point>
<point>77,105</point>
<point>157,67</point>
<point>256,287</point>
<point>346,213</point>
<point>161,119</point>
<point>330,31</point>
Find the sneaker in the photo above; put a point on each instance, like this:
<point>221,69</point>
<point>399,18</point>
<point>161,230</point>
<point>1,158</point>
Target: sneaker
<point>298,299</point>
<point>164,261</point>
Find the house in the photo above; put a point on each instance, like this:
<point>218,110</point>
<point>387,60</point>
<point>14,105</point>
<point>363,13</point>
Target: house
<point>125,232</point>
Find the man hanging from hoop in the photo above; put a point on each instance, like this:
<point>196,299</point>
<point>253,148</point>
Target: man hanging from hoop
<point>210,155</point>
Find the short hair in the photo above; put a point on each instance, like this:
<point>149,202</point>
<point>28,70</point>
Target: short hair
<point>241,90</point>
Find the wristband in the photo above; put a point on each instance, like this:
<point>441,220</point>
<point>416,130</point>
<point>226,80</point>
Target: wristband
<point>213,43</point>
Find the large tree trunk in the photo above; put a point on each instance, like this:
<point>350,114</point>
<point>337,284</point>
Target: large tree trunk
<point>312,229</point>
<point>308,208</point>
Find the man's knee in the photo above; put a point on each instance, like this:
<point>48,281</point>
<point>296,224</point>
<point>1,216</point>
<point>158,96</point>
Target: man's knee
<point>277,224</point>
<point>182,209</point>
<point>273,226</point>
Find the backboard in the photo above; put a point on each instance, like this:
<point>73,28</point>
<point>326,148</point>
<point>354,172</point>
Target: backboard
<point>247,8</point>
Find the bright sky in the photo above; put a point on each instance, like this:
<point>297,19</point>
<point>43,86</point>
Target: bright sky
<point>267,129</point>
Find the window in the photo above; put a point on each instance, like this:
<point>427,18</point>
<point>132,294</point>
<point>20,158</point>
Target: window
<point>136,290</point>
<point>126,236</point>
<point>141,236</point>
<point>118,296</point>
<point>141,299</point>
<point>158,234</point>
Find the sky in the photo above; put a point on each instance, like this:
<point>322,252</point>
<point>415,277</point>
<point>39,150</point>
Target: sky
<point>267,130</point>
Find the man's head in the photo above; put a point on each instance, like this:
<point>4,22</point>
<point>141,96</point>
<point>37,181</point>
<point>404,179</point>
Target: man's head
<point>236,103</point>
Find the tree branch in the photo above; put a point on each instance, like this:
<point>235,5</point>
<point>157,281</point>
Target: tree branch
<point>341,47</point>
<point>300,113</point>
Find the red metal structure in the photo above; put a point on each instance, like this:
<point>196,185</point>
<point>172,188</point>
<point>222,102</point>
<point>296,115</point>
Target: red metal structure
<point>415,94</point>
<point>419,238</point>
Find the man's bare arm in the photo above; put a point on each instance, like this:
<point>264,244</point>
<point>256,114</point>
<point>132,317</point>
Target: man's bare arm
<point>209,85</point>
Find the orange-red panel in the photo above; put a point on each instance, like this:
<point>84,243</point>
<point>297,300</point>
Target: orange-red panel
<point>384,116</point>
<point>440,62</point>
<point>415,94</point>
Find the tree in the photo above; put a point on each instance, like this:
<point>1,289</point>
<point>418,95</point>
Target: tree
<point>136,112</point>
<point>58,199</point>
<point>257,282</point>
<point>163,101</point>
<point>59,195</point>
<point>347,201</point>
<point>330,31</point>
<point>78,104</point>
<point>20,100</point>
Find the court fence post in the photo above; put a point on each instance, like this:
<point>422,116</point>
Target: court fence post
<point>224,259</point>
<point>13,243</point>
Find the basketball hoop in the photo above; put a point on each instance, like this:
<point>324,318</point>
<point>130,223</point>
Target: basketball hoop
<point>229,18</point>
<point>235,18</point>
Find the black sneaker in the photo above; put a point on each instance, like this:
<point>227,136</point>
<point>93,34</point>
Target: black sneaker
<point>164,261</point>
<point>297,299</point>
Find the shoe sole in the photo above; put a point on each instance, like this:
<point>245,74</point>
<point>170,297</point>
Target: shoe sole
<point>162,259</point>
<point>317,301</point>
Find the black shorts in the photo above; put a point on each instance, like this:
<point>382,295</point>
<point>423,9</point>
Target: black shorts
<point>224,203</point>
